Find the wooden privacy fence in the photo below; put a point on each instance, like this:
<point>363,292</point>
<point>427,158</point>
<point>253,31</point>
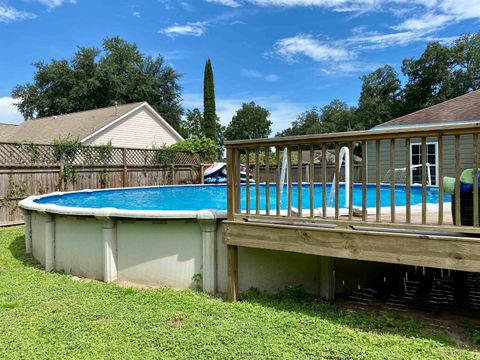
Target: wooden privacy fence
<point>28,169</point>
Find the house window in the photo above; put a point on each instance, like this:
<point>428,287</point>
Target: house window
<point>416,161</point>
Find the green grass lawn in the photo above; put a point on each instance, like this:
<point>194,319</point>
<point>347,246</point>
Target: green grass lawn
<point>49,315</point>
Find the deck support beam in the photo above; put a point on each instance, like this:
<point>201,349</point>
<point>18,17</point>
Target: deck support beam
<point>455,252</point>
<point>327,277</point>
<point>232,263</point>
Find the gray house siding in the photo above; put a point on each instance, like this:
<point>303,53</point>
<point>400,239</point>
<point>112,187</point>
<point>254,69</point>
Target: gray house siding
<point>466,158</point>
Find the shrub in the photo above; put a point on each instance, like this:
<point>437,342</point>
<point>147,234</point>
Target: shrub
<point>205,147</point>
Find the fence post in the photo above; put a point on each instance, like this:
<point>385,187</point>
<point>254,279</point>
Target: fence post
<point>61,182</point>
<point>173,174</point>
<point>125,173</point>
<point>202,174</point>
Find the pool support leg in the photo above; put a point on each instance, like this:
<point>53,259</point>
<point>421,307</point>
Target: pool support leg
<point>27,215</point>
<point>208,224</point>
<point>109,250</point>
<point>50,242</point>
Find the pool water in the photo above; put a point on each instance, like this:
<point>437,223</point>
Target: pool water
<point>194,197</point>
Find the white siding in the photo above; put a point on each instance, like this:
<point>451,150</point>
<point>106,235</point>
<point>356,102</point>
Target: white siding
<point>139,130</point>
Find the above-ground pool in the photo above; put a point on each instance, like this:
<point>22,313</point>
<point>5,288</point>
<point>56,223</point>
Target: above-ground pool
<point>198,197</point>
<point>172,236</point>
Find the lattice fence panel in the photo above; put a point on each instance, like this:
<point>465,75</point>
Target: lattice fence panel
<point>27,155</point>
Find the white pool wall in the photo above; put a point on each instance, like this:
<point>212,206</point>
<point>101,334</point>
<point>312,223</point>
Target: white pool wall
<point>158,249</point>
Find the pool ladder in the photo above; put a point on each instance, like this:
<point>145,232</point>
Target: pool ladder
<point>344,157</point>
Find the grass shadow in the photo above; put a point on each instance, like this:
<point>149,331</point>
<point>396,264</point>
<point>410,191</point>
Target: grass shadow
<point>374,321</point>
<point>17,249</point>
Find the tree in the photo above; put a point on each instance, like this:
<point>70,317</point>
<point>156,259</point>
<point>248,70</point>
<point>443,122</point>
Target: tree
<point>430,78</point>
<point>334,117</point>
<point>337,116</point>
<point>250,122</point>
<point>192,125</point>
<point>466,58</point>
<point>93,78</point>
<point>210,119</point>
<point>379,98</point>
<point>308,122</point>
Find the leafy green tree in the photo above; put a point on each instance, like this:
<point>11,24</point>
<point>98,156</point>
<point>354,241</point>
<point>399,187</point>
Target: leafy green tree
<point>96,78</point>
<point>379,98</point>
<point>430,78</point>
<point>466,58</point>
<point>210,119</point>
<point>334,117</point>
<point>337,116</point>
<point>308,122</point>
<point>192,125</point>
<point>250,122</point>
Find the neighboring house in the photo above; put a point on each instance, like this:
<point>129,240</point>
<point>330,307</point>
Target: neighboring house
<point>6,130</point>
<point>135,125</point>
<point>460,110</point>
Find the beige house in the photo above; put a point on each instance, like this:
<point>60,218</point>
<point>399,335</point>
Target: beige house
<point>135,125</point>
<point>460,110</point>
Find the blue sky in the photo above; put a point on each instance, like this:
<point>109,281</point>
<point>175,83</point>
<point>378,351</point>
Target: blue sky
<point>286,55</point>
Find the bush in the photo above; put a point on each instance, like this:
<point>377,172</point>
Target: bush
<point>205,147</point>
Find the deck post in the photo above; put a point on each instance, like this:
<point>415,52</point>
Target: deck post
<point>50,242</point>
<point>27,215</point>
<point>109,228</point>
<point>327,277</point>
<point>232,259</point>
<point>208,224</point>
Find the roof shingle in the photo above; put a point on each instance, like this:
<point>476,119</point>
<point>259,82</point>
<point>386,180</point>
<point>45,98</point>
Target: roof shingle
<point>76,125</point>
<point>461,108</point>
<point>6,130</point>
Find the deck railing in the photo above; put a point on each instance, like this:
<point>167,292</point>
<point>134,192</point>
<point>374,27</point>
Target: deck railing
<point>374,203</point>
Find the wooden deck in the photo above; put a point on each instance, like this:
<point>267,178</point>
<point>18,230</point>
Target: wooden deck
<point>419,235</point>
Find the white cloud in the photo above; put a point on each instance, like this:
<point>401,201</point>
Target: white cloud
<point>427,22</point>
<point>8,112</point>
<point>9,14</point>
<point>136,14</point>
<point>254,74</point>
<point>457,10</point>
<point>461,9</point>
<point>338,5</point>
<point>348,68</point>
<point>306,45</point>
<point>231,3</point>
<point>55,3</point>
<point>282,111</point>
<point>189,29</point>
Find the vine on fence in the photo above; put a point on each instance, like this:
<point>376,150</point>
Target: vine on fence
<point>105,153</point>
<point>14,191</point>
<point>33,151</point>
<point>65,150</point>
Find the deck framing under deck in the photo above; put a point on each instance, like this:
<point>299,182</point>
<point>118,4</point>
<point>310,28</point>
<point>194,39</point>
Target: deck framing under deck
<point>455,252</point>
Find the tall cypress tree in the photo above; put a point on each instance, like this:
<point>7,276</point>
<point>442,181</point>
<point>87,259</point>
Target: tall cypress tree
<point>209,125</point>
